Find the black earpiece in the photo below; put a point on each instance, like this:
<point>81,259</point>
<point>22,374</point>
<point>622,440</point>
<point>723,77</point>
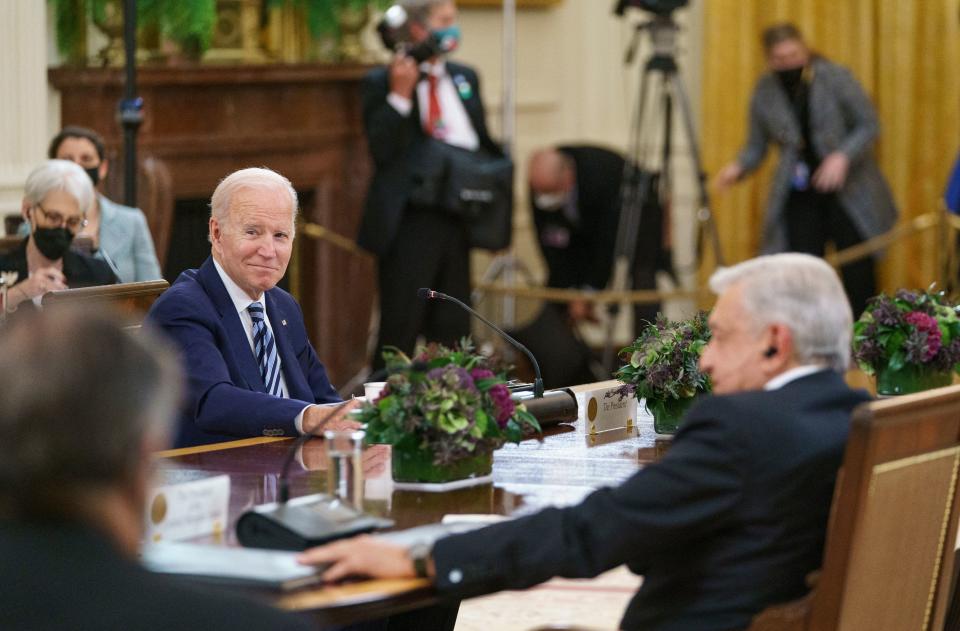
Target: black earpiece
<point>770,352</point>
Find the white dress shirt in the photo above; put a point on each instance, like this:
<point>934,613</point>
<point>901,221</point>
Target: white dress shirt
<point>241,301</point>
<point>792,375</point>
<point>459,130</point>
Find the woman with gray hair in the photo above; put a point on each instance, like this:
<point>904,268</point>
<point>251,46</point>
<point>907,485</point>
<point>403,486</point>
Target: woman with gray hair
<point>55,202</point>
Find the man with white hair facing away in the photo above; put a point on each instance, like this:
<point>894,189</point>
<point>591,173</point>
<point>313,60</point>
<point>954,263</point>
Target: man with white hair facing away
<point>734,517</point>
<point>251,369</point>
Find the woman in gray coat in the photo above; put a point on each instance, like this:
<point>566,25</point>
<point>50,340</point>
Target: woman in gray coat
<point>827,187</point>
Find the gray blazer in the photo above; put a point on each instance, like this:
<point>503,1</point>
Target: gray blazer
<point>841,119</point>
<point>125,242</point>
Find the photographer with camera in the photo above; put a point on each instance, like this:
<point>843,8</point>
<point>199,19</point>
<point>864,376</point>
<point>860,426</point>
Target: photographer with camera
<point>420,102</point>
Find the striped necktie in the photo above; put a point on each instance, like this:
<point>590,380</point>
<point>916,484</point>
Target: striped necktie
<point>265,350</point>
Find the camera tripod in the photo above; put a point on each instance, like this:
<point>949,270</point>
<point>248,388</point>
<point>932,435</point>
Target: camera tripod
<point>636,185</point>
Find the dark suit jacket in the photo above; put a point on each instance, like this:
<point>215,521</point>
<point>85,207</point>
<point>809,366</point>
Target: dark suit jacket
<point>730,521</point>
<point>394,140</point>
<point>64,576</point>
<point>580,253</point>
<point>226,398</point>
<point>80,270</point>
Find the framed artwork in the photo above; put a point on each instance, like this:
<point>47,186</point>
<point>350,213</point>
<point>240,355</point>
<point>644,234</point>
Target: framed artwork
<point>496,4</point>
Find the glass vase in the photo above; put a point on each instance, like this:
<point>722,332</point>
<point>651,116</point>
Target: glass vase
<point>416,465</point>
<point>667,413</point>
<point>911,378</point>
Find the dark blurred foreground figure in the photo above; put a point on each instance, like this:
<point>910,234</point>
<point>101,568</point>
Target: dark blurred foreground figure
<point>85,404</point>
<point>734,517</point>
<point>827,187</point>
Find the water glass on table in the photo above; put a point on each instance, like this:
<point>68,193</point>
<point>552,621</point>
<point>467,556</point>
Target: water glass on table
<point>345,465</point>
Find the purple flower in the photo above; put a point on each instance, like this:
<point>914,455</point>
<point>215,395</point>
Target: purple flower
<point>481,373</point>
<point>868,352</point>
<point>907,296</point>
<point>453,376</point>
<point>928,337</point>
<point>949,355</point>
<point>500,395</point>
<point>885,312</point>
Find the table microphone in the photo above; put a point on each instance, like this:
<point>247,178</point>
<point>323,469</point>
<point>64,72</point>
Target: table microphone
<point>429,294</point>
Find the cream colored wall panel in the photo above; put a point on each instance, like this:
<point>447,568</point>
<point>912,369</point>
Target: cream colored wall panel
<point>23,109</point>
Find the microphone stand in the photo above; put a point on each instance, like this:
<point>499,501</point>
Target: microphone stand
<point>429,294</point>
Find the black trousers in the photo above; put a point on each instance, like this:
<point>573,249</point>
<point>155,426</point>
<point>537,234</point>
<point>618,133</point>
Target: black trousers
<point>815,219</point>
<point>430,250</point>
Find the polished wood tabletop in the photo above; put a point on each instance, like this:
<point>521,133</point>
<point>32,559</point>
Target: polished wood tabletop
<point>559,470</point>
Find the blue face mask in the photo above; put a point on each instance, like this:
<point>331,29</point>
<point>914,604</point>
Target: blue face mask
<point>448,38</point>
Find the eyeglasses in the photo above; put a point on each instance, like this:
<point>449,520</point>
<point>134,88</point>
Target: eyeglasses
<point>73,223</point>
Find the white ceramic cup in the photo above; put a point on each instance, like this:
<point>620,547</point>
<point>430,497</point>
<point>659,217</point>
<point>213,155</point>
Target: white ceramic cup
<point>371,389</point>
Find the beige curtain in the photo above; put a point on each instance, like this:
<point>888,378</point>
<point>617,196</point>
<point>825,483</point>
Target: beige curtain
<point>905,54</point>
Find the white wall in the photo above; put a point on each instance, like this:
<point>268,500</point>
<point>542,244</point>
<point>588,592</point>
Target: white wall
<point>23,108</point>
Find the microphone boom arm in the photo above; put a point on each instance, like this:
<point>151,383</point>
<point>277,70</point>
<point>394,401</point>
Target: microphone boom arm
<point>538,381</point>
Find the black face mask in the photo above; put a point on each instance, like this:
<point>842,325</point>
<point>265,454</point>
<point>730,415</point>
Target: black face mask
<point>94,173</point>
<point>53,243</point>
<point>790,78</point>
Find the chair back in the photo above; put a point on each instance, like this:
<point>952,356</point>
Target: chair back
<point>131,298</point>
<point>9,244</point>
<point>889,560</point>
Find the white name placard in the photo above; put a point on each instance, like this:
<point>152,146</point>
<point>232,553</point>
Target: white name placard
<point>189,509</point>
<point>603,409</point>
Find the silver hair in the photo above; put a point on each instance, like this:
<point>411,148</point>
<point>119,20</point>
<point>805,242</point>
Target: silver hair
<point>258,178</point>
<point>118,387</point>
<point>802,292</point>
<point>59,175</point>
<point>419,10</point>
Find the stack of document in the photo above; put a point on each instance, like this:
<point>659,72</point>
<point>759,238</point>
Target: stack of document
<point>254,567</point>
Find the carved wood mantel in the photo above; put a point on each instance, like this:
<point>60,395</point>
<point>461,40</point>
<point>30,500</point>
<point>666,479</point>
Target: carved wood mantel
<point>303,121</point>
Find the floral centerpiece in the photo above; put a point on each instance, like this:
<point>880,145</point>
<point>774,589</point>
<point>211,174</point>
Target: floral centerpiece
<point>663,368</point>
<point>445,412</point>
<point>910,341</point>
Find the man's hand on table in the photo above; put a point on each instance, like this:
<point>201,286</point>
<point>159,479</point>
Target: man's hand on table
<point>318,418</point>
<point>363,556</point>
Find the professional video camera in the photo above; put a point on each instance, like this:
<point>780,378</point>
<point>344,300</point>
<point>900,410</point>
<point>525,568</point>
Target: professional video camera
<point>394,30</point>
<point>659,7</point>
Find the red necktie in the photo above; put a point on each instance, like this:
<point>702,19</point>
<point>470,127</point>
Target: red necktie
<point>434,123</point>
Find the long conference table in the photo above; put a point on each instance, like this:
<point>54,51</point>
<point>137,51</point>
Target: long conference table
<point>563,468</point>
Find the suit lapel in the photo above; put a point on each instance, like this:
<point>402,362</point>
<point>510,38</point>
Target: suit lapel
<point>297,386</point>
<point>467,92</point>
<point>236,336</point>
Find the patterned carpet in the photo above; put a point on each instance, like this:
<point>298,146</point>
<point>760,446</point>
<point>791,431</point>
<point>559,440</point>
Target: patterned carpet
<point>590,604</point>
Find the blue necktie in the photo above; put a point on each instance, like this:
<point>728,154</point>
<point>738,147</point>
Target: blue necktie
<point>265,350</point>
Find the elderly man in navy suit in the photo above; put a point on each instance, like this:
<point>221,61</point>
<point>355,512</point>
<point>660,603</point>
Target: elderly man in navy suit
<point>251,369</point>
<point>733,518</point>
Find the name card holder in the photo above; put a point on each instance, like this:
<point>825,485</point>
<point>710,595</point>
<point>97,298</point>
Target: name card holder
<point>603,411</point>
<point>189,509</point>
